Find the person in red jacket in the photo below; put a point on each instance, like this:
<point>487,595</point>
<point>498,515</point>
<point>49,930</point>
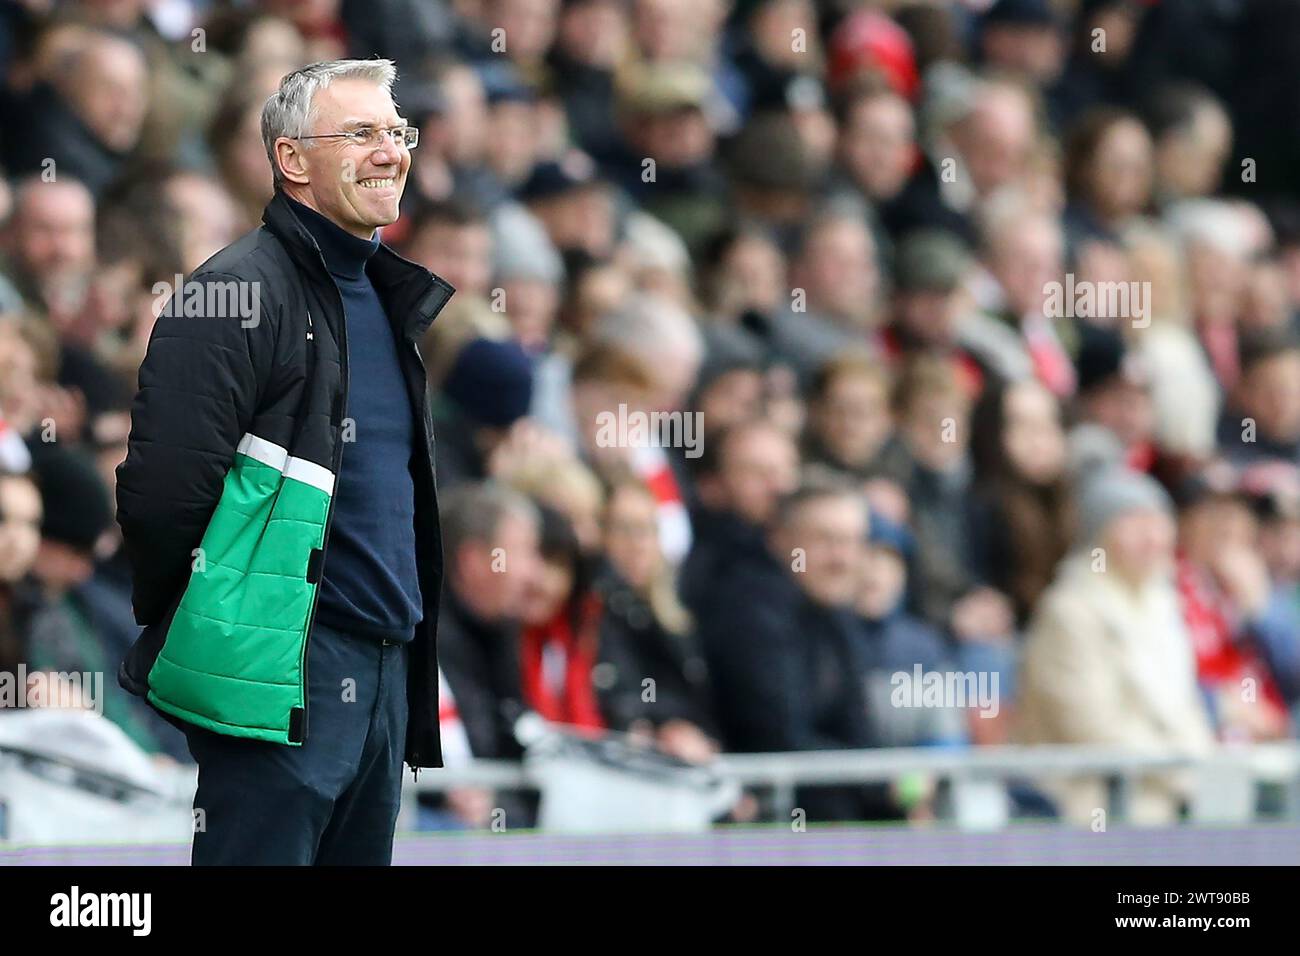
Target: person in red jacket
<point>557,649</point>
<point>1225,591</point>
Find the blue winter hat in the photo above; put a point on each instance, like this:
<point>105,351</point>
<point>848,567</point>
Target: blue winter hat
<point>558,177</point>
<point>492,382</point>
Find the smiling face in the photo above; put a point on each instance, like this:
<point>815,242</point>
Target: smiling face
<point>356,187</point>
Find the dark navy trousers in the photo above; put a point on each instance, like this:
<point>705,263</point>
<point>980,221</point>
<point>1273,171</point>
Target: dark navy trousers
<point>331,801</point>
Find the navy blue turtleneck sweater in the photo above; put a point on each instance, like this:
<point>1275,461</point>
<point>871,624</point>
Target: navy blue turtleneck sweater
<point>370,586</point>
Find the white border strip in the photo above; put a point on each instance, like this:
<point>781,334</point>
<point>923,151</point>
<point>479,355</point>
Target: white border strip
<point>299,469</point>
<point>310,473</point>
<point>259,449</point>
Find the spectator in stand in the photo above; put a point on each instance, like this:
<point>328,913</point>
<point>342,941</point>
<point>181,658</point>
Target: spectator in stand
<point>837,268</point>
<point>515,126</point>
<point>876,157</point>
<point>1262,423</point>
<point>73,629</point>
<point>24,397</point>
<point>1184,392</point>
<point>1108,173</point>
<point>987,145</point>
<point>932,313</point>
<point>1023,38</point>
<point>490,536</point>
<point>1192,136</point>
<point>89,117</point>
<point>591,41</point>
<point>452,239</point>
<point>1022,519</point>
<point>743,474</point>
<point>663,334</point>
<point>564,484</point>
<point>665,338</point>
<point>1023,253</point>
<point>766,57</point>
<point>50,247</point>
<point>651,679</point>
<point>1109,660</point>
<point>1277,508</point>
<point>1218,244</point>
<point>561,617</point>
<point>603,376</point>
<point>866,43</point>
<point>931,464</point>
<point>20,537</point>
<point>1230,609</point>
<point>596,288</point>
<point>849,418</point>
<point>573,204</point>
<point>455,121</point>
<point>743,288</point>
<point>486,392</point>
<point>776,164</point>
<point>782,644</point>
<point>530,24</point>
<point>235,138</point>
<point>1094,77</point>
<point>894,641</point>
<point>1115,393</point>
<point>731,389</point>
<point>490,542</point>
<point>667,160</point>
<point>207,219</point>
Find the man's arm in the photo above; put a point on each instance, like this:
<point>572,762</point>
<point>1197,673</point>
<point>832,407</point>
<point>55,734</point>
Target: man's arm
<point>199,386</point>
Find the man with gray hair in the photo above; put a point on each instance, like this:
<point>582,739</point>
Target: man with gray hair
<point>278,501</point>
<point>491,537</point>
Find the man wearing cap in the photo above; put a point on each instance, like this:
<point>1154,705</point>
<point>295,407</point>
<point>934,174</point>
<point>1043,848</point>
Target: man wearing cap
<point>570,200</point>
<point>667,158</point>
<point>931,312</point>
<point>1023,38</point>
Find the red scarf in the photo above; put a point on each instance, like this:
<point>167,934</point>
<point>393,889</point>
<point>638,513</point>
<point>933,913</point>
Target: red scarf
<point>555,667</point>
<point>1221,660</point>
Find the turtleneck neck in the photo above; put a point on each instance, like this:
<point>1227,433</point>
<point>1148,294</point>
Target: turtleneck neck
<point>345,254</point>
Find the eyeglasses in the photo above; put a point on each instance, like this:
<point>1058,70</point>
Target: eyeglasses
<point>372,137</point>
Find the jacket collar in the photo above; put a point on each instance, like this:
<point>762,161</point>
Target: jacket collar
<point>413,295</point>
<point>345,255</point>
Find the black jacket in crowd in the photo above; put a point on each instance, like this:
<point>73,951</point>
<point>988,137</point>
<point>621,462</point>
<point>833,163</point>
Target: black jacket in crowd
<point>208,380</point>
<point>480,660</point>
<point>783,667</point>
<point>722,540</point>
<point>787,675</point>
<point>634,646</point>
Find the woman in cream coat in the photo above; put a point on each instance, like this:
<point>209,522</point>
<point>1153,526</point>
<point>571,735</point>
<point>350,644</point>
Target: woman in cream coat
<point>1108,660</point>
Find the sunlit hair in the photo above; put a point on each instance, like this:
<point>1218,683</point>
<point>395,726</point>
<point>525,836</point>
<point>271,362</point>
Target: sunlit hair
<point>289,110</point>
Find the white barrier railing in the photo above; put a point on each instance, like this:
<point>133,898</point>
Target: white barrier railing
<point>1227,782</point>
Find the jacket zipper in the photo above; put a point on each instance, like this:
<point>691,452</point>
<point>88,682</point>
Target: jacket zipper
<point>329,515</point>
<point>335,462</point>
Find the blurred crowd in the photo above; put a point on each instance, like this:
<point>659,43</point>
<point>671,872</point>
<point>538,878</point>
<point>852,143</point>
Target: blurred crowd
<point>987,312</point>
